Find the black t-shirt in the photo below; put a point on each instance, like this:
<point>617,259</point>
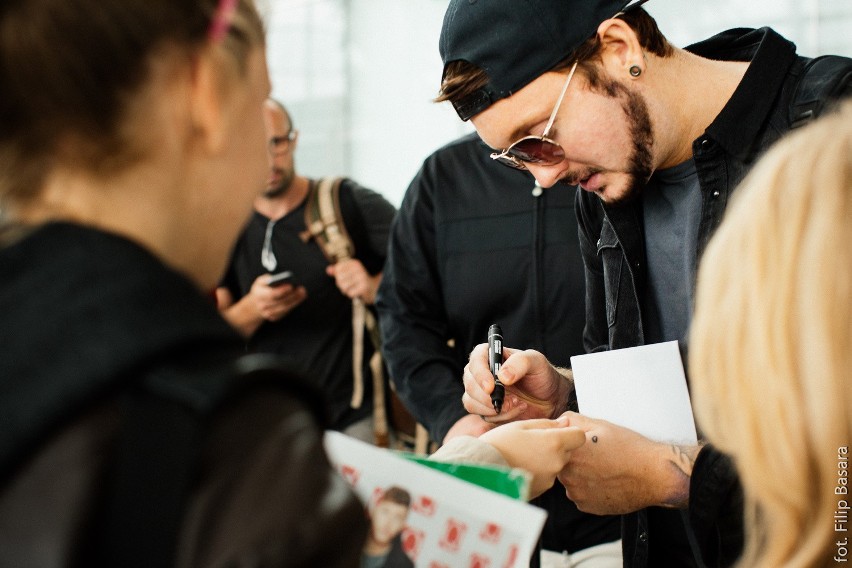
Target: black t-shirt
<point>315,339</point>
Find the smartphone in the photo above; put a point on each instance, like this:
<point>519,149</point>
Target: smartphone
<point>281,278</point>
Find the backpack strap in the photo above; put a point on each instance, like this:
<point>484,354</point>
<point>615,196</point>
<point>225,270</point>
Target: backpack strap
<point>324,223</point>
<point>825,79</point>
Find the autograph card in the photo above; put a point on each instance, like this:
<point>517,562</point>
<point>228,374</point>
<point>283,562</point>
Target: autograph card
<point>449,522</point>
<point>642,388</point>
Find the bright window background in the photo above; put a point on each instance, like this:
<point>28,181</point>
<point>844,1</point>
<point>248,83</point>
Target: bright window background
<point>358,75</point>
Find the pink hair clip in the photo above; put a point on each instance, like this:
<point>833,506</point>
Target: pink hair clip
<point>222,20</point>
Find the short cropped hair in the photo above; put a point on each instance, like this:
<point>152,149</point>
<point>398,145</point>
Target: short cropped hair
<point>397,495</point>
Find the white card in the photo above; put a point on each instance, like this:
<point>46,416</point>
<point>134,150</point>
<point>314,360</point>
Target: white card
<point>641,388</point>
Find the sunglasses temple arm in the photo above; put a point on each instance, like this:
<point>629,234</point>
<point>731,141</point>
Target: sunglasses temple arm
<point>559,102</point>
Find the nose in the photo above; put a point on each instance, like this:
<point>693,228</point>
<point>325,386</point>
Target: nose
<point>546,176</point>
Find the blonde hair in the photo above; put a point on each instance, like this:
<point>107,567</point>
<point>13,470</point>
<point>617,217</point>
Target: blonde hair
<point>771,342</point>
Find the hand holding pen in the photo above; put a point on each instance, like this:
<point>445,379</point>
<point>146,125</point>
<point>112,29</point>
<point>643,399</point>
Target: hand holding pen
<point>519,385</point>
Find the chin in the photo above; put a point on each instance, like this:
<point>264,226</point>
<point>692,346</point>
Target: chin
<point>622,195</point>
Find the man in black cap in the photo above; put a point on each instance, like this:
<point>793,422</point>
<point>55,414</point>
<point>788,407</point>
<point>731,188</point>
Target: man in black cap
<point>590,93</point>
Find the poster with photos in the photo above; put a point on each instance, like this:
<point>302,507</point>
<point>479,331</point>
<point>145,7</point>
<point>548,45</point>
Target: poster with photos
<point>424,518</point>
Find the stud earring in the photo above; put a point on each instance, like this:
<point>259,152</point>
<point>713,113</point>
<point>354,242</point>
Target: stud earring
<point>635,70</point>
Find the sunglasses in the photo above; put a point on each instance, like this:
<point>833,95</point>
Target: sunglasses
<point>536,149</point>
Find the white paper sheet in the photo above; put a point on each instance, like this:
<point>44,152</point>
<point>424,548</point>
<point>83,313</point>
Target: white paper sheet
<point>451,522</point>
<point>641,388</point>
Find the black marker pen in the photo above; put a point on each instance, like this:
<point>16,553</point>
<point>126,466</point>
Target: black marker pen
<point>495,361</point>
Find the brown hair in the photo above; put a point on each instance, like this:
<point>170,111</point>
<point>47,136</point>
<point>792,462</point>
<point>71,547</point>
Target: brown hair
<point>462,78</point>
<point>397,495</point>
<point>69,70</point>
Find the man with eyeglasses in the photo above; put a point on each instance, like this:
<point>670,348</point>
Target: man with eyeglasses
<point>306,319</point>
<point>590,93</point>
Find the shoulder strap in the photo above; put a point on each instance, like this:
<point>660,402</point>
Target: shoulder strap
<point>824,80</point>
<point>324,221</point>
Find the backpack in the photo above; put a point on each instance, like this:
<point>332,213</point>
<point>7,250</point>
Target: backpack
<point>325,224</point>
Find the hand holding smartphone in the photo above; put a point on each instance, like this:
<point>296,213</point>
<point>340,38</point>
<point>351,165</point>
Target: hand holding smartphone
<point>280,278</point>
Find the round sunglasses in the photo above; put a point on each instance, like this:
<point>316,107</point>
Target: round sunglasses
<point>536,149</point>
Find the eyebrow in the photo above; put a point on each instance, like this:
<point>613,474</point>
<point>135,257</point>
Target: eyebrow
<point>519,132</point>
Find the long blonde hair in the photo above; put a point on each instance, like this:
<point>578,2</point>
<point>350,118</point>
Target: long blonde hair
<point>771,343</point>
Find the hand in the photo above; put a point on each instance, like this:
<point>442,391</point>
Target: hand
<point>353,280</point>
<point>540,446</point>
<point>274,302</point>
<point>534,388</point>
<point>618,471</point>
<point>470,425</point>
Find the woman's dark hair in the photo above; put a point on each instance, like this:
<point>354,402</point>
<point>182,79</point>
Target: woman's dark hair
<point>69,70</point>
<point>462,79</point>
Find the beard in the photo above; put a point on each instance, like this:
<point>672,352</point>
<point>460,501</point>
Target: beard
<point>639,161</point>
<point>640,164</point>
<point>280,188</point>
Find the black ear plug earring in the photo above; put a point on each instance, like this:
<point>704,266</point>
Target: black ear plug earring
<point>635,70</point>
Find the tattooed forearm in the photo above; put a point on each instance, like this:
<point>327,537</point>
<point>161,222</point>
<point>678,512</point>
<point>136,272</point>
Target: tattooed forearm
<point>683,457</point>
<point>681,462</point>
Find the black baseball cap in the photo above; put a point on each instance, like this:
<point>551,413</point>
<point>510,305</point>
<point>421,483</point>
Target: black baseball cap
<point>515,41</point>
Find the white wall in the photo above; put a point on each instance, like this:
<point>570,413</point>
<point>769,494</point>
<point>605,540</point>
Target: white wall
<point>359,75</point>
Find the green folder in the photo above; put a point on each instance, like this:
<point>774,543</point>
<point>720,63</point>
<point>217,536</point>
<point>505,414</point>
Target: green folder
<point>511,482</point>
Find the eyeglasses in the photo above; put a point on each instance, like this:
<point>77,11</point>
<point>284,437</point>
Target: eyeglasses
<point>280,145</point>
<point>536,149</point>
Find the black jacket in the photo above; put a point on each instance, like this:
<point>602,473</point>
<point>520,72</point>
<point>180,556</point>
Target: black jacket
<point>90,322</point>
<point>613,247</point>
<point>473,245</point>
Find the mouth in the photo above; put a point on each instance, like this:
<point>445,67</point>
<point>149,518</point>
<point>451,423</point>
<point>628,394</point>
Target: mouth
<point>274,178</point>
<point>588,180</point>
<point>592,183</point>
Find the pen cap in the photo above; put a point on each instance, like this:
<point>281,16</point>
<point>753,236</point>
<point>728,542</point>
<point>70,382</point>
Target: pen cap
<point>495,330</point>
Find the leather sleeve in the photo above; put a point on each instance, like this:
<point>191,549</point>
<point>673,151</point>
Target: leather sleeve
<point>269,496</point>
<point>716,508</point>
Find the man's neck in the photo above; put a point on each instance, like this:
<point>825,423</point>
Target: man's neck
<point>693,91</point>
<point>277,207</point>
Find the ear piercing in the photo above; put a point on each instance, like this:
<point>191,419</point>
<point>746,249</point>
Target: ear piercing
<point>635,70</point>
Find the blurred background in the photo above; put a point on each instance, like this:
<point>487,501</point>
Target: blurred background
<point>359,75</point>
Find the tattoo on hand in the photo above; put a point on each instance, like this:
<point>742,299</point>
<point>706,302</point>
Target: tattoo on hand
<point>684,458</point>
<point>682,461</point>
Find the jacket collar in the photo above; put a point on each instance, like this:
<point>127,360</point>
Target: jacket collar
<point>738,125</point>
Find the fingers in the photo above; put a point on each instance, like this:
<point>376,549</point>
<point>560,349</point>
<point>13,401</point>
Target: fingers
<point>350,277</point>
<point>475,400</point>
<point>542,447</point>
<point>281,301</point>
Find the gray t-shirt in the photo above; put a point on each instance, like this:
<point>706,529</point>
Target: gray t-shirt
<point>672,212</point>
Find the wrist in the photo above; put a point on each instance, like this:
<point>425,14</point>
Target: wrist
<point>677,462</point>
<point>566,395</point>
